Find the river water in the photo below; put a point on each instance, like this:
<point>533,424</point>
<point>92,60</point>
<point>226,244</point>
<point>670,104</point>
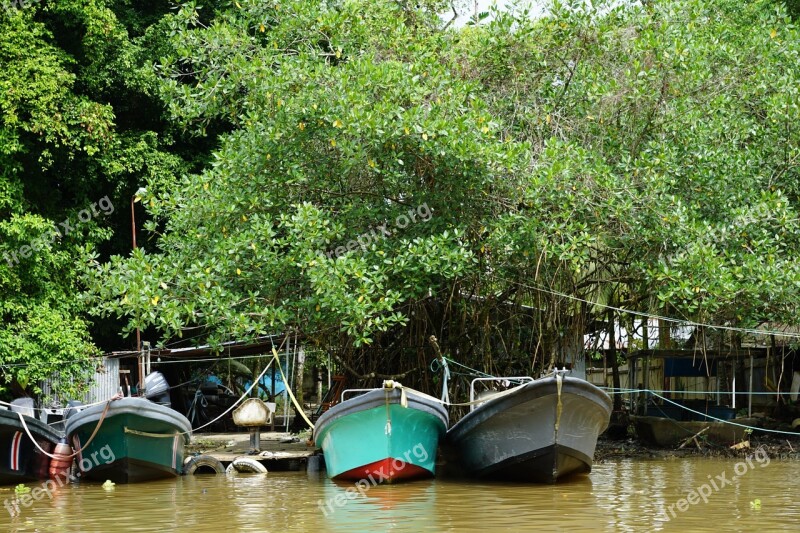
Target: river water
<point>619,495</point>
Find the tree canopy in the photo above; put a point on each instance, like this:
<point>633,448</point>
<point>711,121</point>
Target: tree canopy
<point>367,175</point>
<point>72,84</point>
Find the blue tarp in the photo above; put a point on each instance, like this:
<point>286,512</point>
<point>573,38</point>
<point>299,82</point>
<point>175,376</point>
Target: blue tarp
<point>681,367</point>
<point>266,382</point>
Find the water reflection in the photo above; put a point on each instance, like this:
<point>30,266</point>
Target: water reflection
<point>399,507</point>
<point>627,496</point>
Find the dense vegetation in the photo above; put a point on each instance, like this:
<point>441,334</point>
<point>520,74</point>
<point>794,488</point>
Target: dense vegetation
<point>365,175</point>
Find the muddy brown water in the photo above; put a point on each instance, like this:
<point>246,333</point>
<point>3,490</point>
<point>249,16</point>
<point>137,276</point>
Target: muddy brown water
<point>676,494</point>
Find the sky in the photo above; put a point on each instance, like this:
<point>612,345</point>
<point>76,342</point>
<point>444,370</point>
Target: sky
<point>467,8</point>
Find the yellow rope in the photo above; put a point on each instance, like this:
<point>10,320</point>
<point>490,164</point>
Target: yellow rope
<point>391,384</point>
<point>146,434</point>
<point>559,406</point>
<point>289,390</point>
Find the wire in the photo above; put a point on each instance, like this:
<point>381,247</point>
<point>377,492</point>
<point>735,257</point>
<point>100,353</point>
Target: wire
<point>474,372</point>
<point>655,393</point>
<point>170,360</point>
<point>728,421</point>
<point>623,390</point>
<point>659,317</point>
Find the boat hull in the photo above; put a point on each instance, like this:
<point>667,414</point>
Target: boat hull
<point>137,441</point>
<point>666,432</point>
<point>374,438</point>
<point>20,460</point>
<point>533,434</point>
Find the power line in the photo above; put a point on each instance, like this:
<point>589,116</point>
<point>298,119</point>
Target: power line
<point>643,314</point>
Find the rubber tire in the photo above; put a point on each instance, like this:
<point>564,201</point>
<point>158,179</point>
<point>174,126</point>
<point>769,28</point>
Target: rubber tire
<point>203,463</point>
<point>246,465</point>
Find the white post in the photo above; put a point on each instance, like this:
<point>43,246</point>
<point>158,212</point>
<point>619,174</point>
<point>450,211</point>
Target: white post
<point>750,395</point>
<point>733,386</point>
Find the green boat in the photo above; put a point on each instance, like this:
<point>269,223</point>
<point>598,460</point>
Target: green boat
<point>138,440</point>
<point>384,435</point>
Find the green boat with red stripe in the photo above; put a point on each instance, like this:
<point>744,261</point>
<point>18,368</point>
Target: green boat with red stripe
<point>383,435</point>
<point>137,440</point>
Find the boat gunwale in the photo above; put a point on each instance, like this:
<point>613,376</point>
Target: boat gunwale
<point>36,426</point>
<point>377,398</point>
<point>523,394</point>
<point>140,407</point>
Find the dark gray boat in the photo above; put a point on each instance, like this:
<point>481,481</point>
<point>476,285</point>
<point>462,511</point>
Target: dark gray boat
<point>20,459</point>
<point>540,431</point>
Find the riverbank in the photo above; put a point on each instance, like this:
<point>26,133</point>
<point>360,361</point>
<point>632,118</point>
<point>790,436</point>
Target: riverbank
<point>282,451</point>
<point>631,448</point>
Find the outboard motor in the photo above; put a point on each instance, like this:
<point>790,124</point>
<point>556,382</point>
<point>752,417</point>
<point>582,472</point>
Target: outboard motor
<point>24,406</point>
<point>157,389</point>
<point>72,408</point>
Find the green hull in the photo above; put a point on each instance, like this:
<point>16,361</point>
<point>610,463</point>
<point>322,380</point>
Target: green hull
<point>381,441</point>
<point>137,441</point>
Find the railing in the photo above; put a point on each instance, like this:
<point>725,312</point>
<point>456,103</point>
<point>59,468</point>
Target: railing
<point>520,379</point>
<point>354,390</point>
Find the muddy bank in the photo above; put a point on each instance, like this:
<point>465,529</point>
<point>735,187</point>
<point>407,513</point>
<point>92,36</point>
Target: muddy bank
<point>631,448</point>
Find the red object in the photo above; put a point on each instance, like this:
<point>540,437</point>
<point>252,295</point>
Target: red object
<point>385,471</point>
<point>60,464</point>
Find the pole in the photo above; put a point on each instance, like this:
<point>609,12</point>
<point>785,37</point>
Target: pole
<point>138,332</point>
<point>272,395</point>
<point>750,395</point>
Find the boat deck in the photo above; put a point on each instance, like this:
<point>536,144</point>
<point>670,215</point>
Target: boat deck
<point>276,454</point>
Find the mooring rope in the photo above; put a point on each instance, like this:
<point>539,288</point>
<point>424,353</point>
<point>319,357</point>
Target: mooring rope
<point>91,438</point>
<point>297,406</point>
<point>754,428</point>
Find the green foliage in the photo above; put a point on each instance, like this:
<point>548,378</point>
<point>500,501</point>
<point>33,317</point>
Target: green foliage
<point>677,175</point>
<point>333,139</point>
<point>639,155</point>
<point>79,106</point>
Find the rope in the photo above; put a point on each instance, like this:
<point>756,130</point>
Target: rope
<point>434,366</point>
<point>623,390</point>
<point>246,393</point>
<point>94,433</point>
<point>146,434</point>
<point>198,397</point>
<point>559,405</point>
<point>659,317</point>
<point>728,421</point>
<point>474,372</point>
<point>289,390</point>
<point>390,384</point>
<point>388,429</point>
